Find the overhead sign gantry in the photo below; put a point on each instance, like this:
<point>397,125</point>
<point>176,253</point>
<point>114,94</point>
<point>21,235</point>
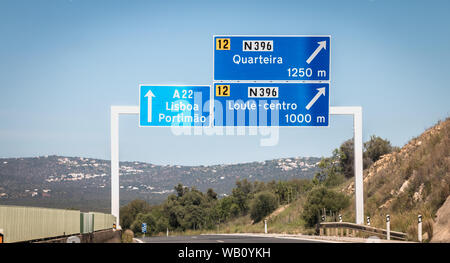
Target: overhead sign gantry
<point>258,81</point>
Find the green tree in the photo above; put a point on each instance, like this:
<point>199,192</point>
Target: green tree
<point>223,208</point>
<point>191,209</point>
<point>373,150</point>
<point>129,212</point>
<point>262,205</point>
<point>258,186</point>
<point>242,194</point>
<point>211,194</point>
<point>155,218</point>
<point>234,210</point>
<point>320,198</point>
<point>282,191</point>
<point>148,218</point>
<point>346,158</point>
<point>180,189</point>
<point>331,171</point>
<point>377,147</point>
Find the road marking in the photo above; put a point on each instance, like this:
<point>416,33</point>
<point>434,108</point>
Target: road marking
<point>311,239</point>
<point>283,237</point>
<point>220,241</point>
<point>138,240</point>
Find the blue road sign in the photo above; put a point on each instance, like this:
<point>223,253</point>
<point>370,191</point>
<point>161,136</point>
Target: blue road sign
<point>271,104</point>
<point>144,228</point>
<point>167,106</point>
<point>287,58</point>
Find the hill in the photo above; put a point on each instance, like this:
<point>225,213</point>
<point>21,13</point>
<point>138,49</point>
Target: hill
<point>413,180</point>
<point>84,183</point>
<point>409,181</point>
<point>441,227</point>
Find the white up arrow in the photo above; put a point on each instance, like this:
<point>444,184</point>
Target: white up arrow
<point>320,93</point>
<point>322,44</point>
<point>149,96</point>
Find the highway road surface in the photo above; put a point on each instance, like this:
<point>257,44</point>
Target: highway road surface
<point>227,239</point>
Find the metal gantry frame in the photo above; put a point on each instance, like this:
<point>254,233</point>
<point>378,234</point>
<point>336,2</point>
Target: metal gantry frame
<point>355,111</point>
<point>116,111</point>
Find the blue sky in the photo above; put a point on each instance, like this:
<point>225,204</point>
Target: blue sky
<point>64,63</point>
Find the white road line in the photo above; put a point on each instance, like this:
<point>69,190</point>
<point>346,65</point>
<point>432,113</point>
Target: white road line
<point>285,237</point>
<point>138,240</point>
<point>311,239</point>
<point>220,241</point>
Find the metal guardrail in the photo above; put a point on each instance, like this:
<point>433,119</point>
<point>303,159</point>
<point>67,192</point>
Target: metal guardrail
<point>363,228</point>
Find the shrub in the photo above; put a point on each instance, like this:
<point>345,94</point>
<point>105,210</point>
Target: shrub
<point>373,150</point>
<point>346,158</point>
<point>129,212</point>
<point>148,218</point>
<point>319,198</point>
<point>412,232</point>
<point>263,204</point>
<point>127,236</point>
<point>377,147</point>
<point>331,170</point>
<point>428,228</point>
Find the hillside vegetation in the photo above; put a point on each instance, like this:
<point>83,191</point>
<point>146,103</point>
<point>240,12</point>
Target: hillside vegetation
<point>289,206</point>
<point>410,181</point>
<point>402,182</point>
<point>191,209</point>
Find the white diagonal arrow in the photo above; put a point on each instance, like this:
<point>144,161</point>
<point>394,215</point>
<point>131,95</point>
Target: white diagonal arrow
<point>322,44</point>
<point>149,96</point>
<point>320,93</point>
